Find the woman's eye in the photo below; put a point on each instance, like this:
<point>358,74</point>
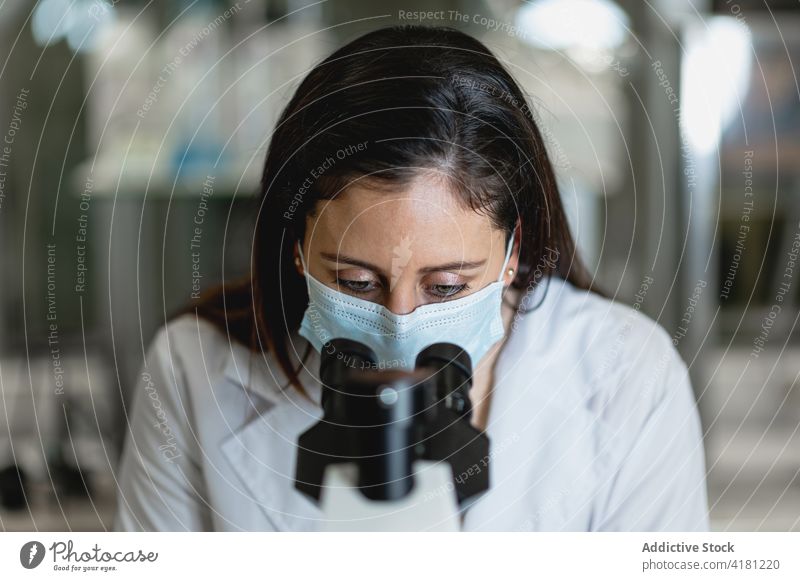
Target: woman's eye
<point>447,290</point>
<point>356,286</point>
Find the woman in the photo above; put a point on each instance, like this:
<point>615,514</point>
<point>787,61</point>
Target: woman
<point>406,187</point>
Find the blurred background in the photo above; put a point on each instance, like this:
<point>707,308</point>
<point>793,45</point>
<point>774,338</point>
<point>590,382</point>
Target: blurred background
<point>674,126</point>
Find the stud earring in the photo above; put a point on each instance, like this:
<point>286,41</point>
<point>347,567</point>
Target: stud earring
<point>510,272</point>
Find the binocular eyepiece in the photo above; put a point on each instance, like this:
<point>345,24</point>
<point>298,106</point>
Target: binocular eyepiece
<point>348,374</point>
<point>384,419</point>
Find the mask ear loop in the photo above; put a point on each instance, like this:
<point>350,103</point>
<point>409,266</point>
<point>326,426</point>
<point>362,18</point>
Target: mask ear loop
<point>508,256</point>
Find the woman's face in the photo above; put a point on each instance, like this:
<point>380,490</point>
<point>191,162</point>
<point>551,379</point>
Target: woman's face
<point>404,249</point>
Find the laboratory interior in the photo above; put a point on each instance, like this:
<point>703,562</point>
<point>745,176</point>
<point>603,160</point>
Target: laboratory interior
<point>134,134</point>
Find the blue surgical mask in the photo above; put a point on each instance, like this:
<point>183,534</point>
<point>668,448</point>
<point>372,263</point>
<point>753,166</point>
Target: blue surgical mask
<point>473,322</point>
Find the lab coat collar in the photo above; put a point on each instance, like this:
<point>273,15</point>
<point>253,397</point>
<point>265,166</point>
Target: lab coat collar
<point>263,451</point>
<point>250,371</point>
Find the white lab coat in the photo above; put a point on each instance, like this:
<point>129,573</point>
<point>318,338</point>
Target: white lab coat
<point>592,424</point>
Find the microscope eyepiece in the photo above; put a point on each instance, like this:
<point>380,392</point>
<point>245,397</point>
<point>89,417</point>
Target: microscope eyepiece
<point>451,371</point>
<point>443,355</point>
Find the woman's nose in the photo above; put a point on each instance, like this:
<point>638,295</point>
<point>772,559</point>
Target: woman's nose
<point>401,301</point>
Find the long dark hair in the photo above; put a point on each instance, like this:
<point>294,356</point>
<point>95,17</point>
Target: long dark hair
<point>417,98</point>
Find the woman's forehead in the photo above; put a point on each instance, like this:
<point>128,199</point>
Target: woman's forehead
<point>425,210</point>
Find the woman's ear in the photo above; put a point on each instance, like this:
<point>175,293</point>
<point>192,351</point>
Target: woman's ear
<point>513,261</point>
<point>297,262</point>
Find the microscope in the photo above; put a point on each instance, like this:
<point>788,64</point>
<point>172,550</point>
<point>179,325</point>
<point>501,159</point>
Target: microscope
<point>385,453</point>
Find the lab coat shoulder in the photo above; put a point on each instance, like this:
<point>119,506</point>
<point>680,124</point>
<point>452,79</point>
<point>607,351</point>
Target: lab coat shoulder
<point>160,478</point>
<point>648,435</point>
<point>211,435</point>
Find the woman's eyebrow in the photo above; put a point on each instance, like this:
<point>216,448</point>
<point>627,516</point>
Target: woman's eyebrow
<point>455,265</point>
<point>348,260</point>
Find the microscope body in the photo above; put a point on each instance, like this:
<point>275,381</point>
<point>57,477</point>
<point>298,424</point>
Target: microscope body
<point>384,454</point>
<point>430,505</point>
